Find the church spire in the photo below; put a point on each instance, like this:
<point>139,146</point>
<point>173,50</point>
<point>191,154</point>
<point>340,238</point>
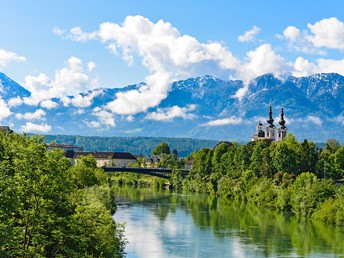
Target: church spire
<point>270,120</point>
<point>282,121</point>
<point>282,129</point>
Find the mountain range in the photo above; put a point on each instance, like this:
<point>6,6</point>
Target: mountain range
<point>204,107</point>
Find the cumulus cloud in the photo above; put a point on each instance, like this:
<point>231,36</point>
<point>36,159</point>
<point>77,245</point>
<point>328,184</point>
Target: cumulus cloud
<point>327,33</point>
<point>298,41</point>
<point>39,114</point>
<point>81,100</point>
<point>105,118</point>
<point>249,35</point>
<point>169,55</point>
<point>7,57</point>
<point>166,53</point>
<point>291,33</point>
<point>68,81</point>
<point>48,104</point>
<point>226,121</point>
<point>14,102</point>
<point>35,128</point>
<point>168,114</point>
<point>4,110</point>
<point>303,67</point>
<point>260,61</point>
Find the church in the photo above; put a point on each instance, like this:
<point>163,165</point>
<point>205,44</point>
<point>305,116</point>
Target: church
<point>270,129</point>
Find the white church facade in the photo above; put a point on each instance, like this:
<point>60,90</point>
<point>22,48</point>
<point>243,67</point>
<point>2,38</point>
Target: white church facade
<point>271,133</point>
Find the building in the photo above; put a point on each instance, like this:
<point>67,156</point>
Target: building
<point>271,133</point>
<point>109,159</point>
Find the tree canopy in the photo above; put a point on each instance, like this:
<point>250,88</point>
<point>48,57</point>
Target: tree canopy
<point>50,209</point>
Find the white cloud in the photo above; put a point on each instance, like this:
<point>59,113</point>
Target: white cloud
<point>167,55</point>
<point>59,32</point>
<point>4,110</point>
<point>91,65</point>
<point>340,119</point>
<point>309,119</point>
<point>7,57</point>
<point>93,124</point>
<point>298,41</point>
<point>68,81</point>
<point>48,104</point>
<point>39,114</point>
<point>327,33</point>
<point>263,60</point>
<point>226,121</point>
<point>260,61</point>
<point>249,35</point>
<point>80,100</point>
<point>129,118</point>
<point>105,118</point>
<point>35,128</point>
<point>314,119</point>
<point>303,67</point>
<point>14,102</point>
<point>291,33</point>
<point>168,114</point>
<point>76,34</point>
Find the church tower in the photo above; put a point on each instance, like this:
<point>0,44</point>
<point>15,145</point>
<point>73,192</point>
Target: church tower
<point>270,128</point>
<point>282,129</point>
<point>259,134</point>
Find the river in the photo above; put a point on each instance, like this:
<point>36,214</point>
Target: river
<point>164,224</point>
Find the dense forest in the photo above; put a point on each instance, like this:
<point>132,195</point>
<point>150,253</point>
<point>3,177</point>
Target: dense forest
<point>134,145</point>
<point>49,208</point>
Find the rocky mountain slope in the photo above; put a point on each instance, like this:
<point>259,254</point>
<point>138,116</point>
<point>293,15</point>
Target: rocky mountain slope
<point>203,107</point>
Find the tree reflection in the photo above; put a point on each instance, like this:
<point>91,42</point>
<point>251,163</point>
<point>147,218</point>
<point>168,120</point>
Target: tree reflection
<point>273,232</point>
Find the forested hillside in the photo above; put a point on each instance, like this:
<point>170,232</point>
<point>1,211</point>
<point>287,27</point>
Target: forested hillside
<point>134,145</point>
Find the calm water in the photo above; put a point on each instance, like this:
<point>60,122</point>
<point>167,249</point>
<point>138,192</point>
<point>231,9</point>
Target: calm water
<point>163,224</point>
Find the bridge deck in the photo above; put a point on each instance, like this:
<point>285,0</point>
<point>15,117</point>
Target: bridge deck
<point>159,172</point>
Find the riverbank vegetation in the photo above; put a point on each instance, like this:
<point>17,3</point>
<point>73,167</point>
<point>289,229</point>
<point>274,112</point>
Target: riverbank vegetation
<point>287,176</point>
<point>49,208</point>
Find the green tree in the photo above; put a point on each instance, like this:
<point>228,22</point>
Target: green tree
<point>332,145</point>
<point>162,148</point>
<point>308,193</point>
<point>339,162</point>
<point>39,204</point>
<point>286,155</point>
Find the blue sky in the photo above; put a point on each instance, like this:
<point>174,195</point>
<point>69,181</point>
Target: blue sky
<point>61,48</point>
<point>27,30</point>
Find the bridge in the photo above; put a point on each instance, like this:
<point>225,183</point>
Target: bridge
<point>158,172</point>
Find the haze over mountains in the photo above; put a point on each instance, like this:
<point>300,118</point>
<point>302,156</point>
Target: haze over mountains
<point>203,107</point>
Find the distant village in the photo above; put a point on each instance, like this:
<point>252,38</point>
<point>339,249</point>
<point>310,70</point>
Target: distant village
<point>110,158</point>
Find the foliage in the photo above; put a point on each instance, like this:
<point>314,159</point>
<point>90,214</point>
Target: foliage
<point>332,210</point>
<point>278,175</point>
<point>48,208</point>
<point>308,192</point>
<point>162,148</point>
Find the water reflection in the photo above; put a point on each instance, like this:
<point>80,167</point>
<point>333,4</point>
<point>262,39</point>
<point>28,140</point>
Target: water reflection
<point>161,224</point>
